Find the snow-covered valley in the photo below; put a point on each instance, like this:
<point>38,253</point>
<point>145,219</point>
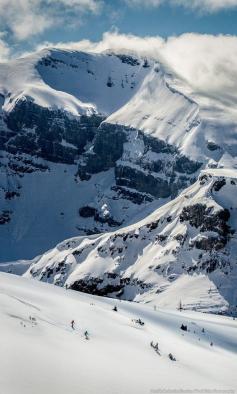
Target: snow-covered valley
<point>42,353</point>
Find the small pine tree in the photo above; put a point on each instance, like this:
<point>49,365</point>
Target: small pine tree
<point>180,307</point>
<point>109,82</point>
<point>145,64</point>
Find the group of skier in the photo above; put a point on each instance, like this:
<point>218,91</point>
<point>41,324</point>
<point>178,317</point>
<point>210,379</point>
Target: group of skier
<point>86,333</point>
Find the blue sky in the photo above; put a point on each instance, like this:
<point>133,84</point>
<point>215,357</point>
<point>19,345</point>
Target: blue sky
<point>27,23</point>
<point>164,21</point>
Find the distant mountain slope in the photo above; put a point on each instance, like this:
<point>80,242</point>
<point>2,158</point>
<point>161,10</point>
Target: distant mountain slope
<point>47,355</point>
<point>185,251</point>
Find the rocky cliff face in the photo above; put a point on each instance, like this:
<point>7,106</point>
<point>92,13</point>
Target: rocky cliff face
<point>157,168</point>
<point>50,134</point>
<point>33,137</point>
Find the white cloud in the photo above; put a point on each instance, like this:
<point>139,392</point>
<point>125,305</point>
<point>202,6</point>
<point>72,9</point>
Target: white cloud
<point>201,5</point>
<point>146,3</point>
<point>115,42</point>
<point>4,49</point>
<point>208,63</point>
<point>207,5</point>
<point>25,18</point>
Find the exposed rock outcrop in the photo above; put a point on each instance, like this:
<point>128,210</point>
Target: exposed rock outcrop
<point>51,134</point>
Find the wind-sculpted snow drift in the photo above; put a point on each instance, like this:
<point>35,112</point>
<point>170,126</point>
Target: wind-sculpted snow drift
<point>117,149</point>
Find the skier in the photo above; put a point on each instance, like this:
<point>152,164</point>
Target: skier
<point>73,324</point>
<point>115,309</point>
<point>171,357</point>
<point>86,333</point>
<point>139,321</point>
<point>155,347</point>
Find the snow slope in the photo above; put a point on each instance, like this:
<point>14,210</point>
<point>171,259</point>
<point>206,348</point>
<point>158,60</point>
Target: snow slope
<point>168,114</point>
<point>184,250</point>
<point>41,353</point>
<point>72,81</point>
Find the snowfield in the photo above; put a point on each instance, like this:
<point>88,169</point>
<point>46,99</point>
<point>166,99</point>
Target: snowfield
<point>41,353</point>
<point>77,82</point>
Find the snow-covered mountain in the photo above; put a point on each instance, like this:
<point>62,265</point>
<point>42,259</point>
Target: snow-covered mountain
<point>117,151</point>
<point>40,352</point>
<point>185,251</point>
<point>61,158</point>
<point>94,141</point>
